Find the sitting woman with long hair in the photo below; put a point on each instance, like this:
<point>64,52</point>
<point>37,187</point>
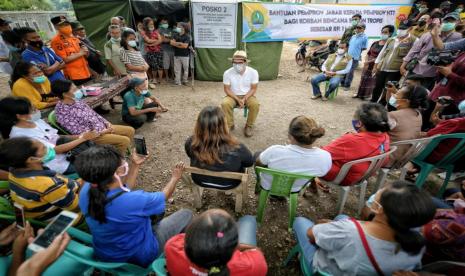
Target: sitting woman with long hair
<point>214,244</point>
<point>212,147</point>
<point>120,218</point>
<point>336,247</point>
<point>30,82</point>
<point>19,118</point>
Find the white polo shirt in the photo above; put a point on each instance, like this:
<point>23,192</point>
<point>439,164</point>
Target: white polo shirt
<point>240,84</point>
<point>295,159</point>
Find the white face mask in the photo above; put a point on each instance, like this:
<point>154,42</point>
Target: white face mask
<point>35,116</point>
<point>239,67</point>
<point>340,51</point>
<point>118,176</point>
<point>402,33</point>
<point>132,43</point>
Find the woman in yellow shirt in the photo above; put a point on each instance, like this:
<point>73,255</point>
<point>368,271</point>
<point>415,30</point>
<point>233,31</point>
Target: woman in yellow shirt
<point>30,82</point>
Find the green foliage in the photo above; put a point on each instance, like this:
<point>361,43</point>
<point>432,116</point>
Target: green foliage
<point>21,5</point>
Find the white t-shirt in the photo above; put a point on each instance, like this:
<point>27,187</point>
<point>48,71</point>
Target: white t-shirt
<point>295,159</point>
<point>240,84</point>
<point>48,136</point>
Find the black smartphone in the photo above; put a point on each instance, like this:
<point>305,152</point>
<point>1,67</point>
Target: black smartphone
<point>139,142</point>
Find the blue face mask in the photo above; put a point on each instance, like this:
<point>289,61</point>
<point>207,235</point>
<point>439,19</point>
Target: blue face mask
<point>384,37</point>
<point>357,125</point>
<point>35,116</point>
<point>178,30</point>
<point>39,79</point>
<point>393,101</point>
<point>78,94</point>
<point>144,92</point>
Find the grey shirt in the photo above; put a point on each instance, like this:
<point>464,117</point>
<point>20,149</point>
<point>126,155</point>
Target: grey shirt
<point>341,252</point>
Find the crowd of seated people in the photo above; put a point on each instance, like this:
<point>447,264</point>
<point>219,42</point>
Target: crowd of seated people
<point>90,172</point>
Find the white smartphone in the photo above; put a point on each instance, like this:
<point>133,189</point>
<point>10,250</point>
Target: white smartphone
<point>57,227</point>
<point>19,214</point>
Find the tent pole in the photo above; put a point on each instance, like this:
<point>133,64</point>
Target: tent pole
<point>192,52</point>
<point>133,18</point>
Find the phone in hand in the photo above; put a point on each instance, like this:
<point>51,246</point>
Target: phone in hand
<point>19,214</point>
<point>139,142</point>
<point>55,228</point>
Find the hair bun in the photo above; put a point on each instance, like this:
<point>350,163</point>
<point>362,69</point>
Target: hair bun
<point>317,132</point>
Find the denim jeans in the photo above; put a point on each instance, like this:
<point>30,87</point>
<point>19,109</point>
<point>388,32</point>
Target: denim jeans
<point>171,226</point>
<point>301,226</point>
<point>333,84</point>
<point>248,230</point>
<point>350,76</point>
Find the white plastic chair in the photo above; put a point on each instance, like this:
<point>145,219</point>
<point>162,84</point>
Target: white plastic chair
<point>416,147</point>
<point>376,162</point>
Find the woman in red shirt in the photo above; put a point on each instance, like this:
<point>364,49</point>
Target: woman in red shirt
<point>371,138</point>
<point>153,52</point>
<point>215,245</point>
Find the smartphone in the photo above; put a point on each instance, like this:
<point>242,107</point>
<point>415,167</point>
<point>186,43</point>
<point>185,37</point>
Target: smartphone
<point>57,227</point>
<point>139,142</point>
<point>19,214</point>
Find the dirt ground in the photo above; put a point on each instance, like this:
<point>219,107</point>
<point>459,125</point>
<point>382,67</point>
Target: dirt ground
<point>280,101</point>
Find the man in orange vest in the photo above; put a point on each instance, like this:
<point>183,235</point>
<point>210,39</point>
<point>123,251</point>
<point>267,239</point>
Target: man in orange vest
<point>71,50</point>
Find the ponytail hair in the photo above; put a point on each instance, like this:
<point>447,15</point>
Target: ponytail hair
<point>97,165</point>
<point>211,240</point>
<point>305,130</point>
<point>407,207</point>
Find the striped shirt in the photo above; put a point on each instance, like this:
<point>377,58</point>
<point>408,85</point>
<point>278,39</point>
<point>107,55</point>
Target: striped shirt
<point>44,193</point>
<point>134,58</point>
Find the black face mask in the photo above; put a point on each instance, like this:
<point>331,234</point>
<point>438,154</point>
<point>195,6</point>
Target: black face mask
<point>36,44</point>
<point>422,23</point>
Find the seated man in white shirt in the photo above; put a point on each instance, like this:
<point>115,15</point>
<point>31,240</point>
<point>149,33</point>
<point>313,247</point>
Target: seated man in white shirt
<point>335,67</point>
<point>240,85</point>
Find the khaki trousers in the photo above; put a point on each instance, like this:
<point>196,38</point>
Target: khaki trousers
<point>229,104</point>
<point>121,138</point>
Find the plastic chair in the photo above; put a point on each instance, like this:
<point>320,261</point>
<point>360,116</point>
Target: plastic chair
<point>81,251</point>
<point>4,185</point>
<point>52,120</point>
<point>416,146</point>
<point>447,163</point>
<point>240,191</point>
<point>281,186</point>
<point>306,271</point>
<point>376,162</point>
<point>246,111</point>
<point>334,93</point>
<point>159,266</point>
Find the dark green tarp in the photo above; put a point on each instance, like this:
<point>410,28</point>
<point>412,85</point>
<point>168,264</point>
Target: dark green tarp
<point>210,63</point>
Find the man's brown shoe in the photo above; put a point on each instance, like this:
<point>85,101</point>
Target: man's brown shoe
<point>248,131</point>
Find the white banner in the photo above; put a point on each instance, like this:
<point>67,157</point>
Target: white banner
<point>214,25</point>
<point>277,22</point>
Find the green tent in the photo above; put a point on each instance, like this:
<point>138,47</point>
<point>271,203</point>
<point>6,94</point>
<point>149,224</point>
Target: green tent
<point>209,63</point>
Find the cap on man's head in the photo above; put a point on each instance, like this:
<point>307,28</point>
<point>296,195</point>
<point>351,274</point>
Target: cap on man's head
<point>452,15</point>
<point>135,82</point>
<point>361,25</point>
<point>76,25</point>
<point>445,4</point>
<point>58,20</point>
<point>240,55</point>
<point>4,22</point>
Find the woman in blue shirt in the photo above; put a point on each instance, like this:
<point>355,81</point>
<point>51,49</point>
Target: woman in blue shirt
<point>120,219</point>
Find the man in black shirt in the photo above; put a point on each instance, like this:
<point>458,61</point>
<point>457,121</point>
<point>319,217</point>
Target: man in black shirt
<point>181,42</point>
<point>95,64</point>
<point>356,18</point>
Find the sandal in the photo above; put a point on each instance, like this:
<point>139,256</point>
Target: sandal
<point>324,188</point>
